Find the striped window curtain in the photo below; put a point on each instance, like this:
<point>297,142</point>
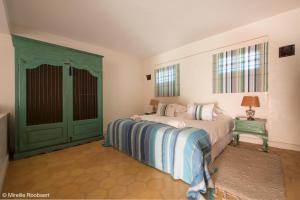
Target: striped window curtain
<point>241,70</point>
<point>167,81</point>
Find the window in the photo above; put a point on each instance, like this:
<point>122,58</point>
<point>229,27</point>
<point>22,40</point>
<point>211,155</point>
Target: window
<point>241,70</point>
<point>167,81</point>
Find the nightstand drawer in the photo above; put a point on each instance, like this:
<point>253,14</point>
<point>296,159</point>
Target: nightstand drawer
<point>249,126</point>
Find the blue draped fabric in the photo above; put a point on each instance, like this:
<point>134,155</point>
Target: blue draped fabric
<point>182,153</point>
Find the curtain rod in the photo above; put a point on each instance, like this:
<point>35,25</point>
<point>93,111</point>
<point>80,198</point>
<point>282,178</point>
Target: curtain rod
<point>206,51</point>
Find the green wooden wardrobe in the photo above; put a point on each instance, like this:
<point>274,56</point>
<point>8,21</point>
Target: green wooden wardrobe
<point>58,97</point>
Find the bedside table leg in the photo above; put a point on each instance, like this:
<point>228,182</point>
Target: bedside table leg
<point>265,145</point>
<point>236,139</point>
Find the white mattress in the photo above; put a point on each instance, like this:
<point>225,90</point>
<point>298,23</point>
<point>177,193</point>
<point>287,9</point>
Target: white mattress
<point>219,130</point>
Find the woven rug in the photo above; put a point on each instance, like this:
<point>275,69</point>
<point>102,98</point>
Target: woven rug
<point>248,174</point>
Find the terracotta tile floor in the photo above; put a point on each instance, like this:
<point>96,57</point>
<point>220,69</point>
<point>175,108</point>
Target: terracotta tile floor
<point>92,171</point>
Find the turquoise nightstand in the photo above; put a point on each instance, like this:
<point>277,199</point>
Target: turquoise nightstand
<point>255,127</point>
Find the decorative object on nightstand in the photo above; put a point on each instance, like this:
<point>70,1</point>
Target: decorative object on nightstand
<point>255,127</point>
<point>251,101</point>
<point>154,104</point>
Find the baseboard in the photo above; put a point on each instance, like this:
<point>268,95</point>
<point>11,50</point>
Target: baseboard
<point>280,145</point>
<point>3,168</point>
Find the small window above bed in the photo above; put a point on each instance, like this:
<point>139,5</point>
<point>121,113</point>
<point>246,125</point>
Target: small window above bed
<point>167,81</point>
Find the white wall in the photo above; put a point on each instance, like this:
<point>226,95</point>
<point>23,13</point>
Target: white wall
<point>3,148</point>
<point>6,90</point>
<point>122,75</point>
<point>7,74</point>
<point>280,105</point>
<point>7,67</point>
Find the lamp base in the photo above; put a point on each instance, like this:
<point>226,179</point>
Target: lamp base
<point>154,109</point>
<point>250,118</point>
<point>250,114</point>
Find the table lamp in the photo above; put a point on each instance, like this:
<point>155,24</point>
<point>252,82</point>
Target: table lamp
<point>251,101</point>
<point>154,103</point>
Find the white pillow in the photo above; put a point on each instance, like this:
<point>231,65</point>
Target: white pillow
<point>170,110</point>
<point>161,108</point>
<point>189,111</point>
<point>206,112</point>
<point>180,108</point>
<point>166,110</point>
<point>200,112</point>
<point>190,108</point>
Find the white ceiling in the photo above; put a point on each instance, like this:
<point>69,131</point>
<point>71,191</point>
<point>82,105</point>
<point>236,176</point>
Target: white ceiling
<point>141,27</point>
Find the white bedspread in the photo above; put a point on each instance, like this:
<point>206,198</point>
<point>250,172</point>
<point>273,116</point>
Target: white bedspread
<point>216,129</point>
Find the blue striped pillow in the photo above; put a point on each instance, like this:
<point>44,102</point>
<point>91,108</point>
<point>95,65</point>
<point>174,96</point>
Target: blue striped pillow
<point>203,112</point>
<point>166,110</point>
<point>161,109</point>
<point>198,112</point>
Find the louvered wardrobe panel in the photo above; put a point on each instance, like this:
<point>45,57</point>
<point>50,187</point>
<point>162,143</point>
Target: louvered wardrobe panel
<point>44,95</point>
<point>84,95</point>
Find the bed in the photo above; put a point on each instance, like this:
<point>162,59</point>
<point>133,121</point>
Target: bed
<point>219,130</point>
<point>184,153</point>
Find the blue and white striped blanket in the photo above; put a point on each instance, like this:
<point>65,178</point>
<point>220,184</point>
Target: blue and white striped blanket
<point>182,153</point>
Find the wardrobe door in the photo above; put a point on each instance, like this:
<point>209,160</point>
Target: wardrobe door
<point>85,104</point>
<point>42,118</point>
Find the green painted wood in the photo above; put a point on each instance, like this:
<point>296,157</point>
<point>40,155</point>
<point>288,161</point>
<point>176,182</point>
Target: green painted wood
<point>19,155</point>
<point>30,54</point>
<point>83,129</point>
<point>28,133</point>
<point>252,127</point>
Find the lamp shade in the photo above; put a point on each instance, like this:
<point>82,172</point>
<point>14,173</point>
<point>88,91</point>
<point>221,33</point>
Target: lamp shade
<point>252,101</point>
<point>153,102</point>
